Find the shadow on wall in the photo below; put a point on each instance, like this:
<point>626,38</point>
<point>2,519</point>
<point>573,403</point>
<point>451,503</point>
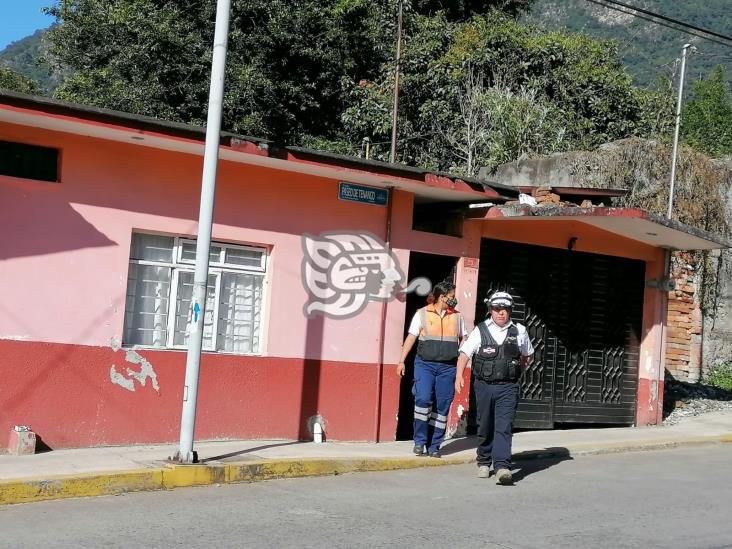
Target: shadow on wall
<point>310,386</point>
<point>56,226</point>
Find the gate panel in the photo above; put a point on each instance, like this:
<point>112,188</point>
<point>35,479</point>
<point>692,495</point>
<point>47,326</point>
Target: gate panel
<point>583,314</point>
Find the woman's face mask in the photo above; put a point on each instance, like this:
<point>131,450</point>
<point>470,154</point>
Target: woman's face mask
<point>451,302</point>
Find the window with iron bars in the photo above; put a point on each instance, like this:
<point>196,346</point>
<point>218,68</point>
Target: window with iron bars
<point>160,287</point>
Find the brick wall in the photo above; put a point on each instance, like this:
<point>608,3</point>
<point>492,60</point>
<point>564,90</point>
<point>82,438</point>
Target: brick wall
<point>684,321</point>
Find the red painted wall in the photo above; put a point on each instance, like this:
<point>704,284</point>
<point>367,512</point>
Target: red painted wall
<point>64,394</point>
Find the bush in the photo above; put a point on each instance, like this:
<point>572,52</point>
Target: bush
<point>720,375</point>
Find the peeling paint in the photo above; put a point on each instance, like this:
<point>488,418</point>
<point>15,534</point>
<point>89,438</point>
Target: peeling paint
<point>15,337</point>
<point>146,370</point>
<point>119,379</point>
<point>127,379</point>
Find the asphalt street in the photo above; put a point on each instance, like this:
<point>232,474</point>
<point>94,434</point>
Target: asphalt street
<point>670,498</point>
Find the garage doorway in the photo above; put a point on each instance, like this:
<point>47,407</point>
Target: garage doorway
<point>436,268</point>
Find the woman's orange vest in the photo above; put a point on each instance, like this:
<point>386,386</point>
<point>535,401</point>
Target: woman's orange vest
<point>439,335</point>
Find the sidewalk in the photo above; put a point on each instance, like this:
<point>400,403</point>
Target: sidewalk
<point>115,470</point>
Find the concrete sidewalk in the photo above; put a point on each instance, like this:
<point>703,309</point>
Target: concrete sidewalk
<point>115,470</point>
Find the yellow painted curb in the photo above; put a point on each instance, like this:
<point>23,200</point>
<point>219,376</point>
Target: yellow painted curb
<point>642,445</point>
<point>176,476</point>
<point>293,468</point>
<point>97,484</point>
<point>179,476</point>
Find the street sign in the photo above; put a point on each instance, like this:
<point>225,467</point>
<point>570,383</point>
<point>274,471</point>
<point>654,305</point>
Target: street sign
<point>361,193</point>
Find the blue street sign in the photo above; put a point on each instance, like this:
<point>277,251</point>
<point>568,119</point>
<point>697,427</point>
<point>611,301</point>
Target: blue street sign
<point>363,194</point>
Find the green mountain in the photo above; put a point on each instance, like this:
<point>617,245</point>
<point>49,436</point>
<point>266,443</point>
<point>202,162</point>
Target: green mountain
<point>649,50</point>
<point>23,57</point>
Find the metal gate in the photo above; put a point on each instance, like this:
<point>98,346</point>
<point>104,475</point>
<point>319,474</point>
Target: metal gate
<point>583,312</point>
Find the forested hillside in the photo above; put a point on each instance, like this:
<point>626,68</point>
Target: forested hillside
<point>649,50</point>
<point>22,57</point>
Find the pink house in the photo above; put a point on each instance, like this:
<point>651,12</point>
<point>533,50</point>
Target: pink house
<point>98,220</point>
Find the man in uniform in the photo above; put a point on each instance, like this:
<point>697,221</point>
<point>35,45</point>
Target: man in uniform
<point>499,350</point>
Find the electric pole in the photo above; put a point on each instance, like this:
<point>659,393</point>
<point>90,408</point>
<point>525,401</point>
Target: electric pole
<point>392,157</point>
<point>679,99</point>
<point>185,452</point>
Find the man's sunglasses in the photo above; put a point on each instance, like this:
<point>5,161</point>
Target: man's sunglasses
<point>500,308</point>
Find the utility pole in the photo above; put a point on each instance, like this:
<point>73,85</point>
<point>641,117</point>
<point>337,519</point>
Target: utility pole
<point>205,219</point>
<point>679,99</point>
<point>392,157</point>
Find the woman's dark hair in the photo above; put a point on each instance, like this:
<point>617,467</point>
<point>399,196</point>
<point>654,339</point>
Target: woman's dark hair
<point>440,289</point>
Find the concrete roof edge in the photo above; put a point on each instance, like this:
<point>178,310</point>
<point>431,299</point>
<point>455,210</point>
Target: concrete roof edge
<point>56,106</point>
<point>561,211</point>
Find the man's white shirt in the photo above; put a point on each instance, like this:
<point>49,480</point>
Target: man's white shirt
<point>498,333</point>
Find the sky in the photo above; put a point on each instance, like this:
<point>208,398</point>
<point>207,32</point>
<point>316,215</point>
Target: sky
<point>20,18</point>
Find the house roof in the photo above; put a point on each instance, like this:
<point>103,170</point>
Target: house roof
<point>427,185</point>
<point>52,114</point>
<point>632,223</point>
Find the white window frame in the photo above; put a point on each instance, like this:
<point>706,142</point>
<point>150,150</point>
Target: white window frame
<point>217,269</point>
<point>178,255</point>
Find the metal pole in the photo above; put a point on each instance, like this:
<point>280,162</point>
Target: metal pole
<point>205,219</point>
<point>676,130</point>
<point>382,326</point>
<point>392,157</point>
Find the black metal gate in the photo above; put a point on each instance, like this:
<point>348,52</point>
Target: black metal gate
<point>583,312</point>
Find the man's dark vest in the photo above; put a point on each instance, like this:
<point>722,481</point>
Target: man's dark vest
<point>497,363</point>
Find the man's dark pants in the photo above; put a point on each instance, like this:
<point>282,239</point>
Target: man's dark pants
<point>496,409</point>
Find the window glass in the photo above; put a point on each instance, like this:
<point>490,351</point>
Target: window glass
<point>244,258</point>
<point>160,287</point>
<point>188,253</point>
<point>240,307</point>
<point>152,247</point>
<point>146,310</point>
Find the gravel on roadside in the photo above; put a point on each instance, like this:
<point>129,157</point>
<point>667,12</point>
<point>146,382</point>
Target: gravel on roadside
<point>681,399</point>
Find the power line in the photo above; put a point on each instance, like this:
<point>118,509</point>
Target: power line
<point>665,21</point>
<point>671,20</point>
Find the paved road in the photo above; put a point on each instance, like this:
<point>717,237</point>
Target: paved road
<point>673,498</point>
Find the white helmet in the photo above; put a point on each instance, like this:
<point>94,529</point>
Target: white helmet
<point>500,299</point>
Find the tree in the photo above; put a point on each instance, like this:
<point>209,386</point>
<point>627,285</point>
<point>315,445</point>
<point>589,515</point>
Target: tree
<point>574,87</point>
<point>707,117</point>
<point>284,67</point>
<point>13,81</point>
<point>461,10</point>
<point>495,125</point>
<point>321,73</point>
